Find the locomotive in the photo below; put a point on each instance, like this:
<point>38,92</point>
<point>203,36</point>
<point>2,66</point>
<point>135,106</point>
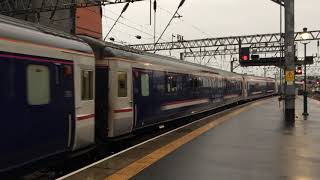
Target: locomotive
<point>62,93</point>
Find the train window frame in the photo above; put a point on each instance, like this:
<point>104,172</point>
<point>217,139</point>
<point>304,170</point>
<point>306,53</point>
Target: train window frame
<point>86,85</point>
<point>145,85</point>
<point>122,91</point>
<point>38,86</point>
<point>195,84</point>
<point>171,84</point>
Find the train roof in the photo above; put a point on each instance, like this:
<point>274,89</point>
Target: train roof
<point>18,30</point>
<point>113,50</point>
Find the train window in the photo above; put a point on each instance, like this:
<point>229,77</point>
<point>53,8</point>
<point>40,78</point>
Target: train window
<point>205,82</point>
<point>145,85</point>
<point>86,85</point>
<point>38,85</point>
<point>122,84</point>
<point>171,84</point>
<point>194,83</point>
<point>200,82</point>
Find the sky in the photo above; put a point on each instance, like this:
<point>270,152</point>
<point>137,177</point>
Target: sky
<point>206,19</point>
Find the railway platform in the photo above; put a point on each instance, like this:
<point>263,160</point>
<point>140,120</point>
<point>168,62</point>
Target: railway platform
<point>249,142</point>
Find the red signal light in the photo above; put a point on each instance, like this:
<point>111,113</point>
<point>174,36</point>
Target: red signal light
<point>244,54</point>
<point>299,70</point>
<point>245,58</point>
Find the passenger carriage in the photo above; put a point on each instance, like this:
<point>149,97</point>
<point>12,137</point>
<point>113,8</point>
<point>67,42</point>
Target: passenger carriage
<point>46,93</point>
<point>258,86</point>
<point>143,89</point>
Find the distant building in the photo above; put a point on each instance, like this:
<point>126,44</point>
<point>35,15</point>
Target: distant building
<point>86,21</point>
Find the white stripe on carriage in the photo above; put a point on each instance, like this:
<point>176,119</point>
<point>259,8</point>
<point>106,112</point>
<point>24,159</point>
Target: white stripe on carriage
<point>259,92</point>
<point>231,96</point>
<point>184,104</point>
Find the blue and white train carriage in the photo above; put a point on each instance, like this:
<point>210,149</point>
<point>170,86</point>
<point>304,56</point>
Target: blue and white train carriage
<point>46,93</point>
<point>136,90</point>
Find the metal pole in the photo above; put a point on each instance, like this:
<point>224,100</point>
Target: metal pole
<point>150,12</point>
<point>305,94</point>
<point>281,54</point>
<point>240,46</point>
<point>154,29</point>
<point>123,10</point>
<point>174,15</point>
<point>231,65</point>
<point>114,24</point>
<point>289,62</point>
<point>155,22</point>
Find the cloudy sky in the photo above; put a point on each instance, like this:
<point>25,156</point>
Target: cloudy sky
<point>207,18</point>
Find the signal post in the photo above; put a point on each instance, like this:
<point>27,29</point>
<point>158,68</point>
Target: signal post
<point>246,59</point>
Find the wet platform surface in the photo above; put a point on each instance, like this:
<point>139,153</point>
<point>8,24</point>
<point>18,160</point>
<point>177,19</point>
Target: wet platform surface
<point>250,142</point>
<point>256,144</point>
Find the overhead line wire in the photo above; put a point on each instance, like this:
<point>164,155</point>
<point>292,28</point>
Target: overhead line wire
<point>151,35</point>
<point>195,27</point>
<point>141,25</point>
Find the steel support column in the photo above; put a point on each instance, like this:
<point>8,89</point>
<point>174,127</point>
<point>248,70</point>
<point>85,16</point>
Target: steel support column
<point>289,103</point>
<point>305,93</point>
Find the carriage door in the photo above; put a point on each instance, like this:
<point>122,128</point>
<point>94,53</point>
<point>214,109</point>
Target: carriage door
<point>120,99</point>
<point>49,111</point>
<point>84,88</point>
<point>143,99</point>
<point>245,87</point>
<point>101,101</point>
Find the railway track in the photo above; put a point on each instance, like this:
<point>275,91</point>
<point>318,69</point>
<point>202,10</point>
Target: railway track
<point>315,96</point>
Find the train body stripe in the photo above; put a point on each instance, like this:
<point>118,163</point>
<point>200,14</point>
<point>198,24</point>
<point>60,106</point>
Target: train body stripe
<point>36,59</point>
<point>124,110</point>
<point>257,92</point>
<point>184,103</point>
<point>85,117</point>
<point>232,96</point>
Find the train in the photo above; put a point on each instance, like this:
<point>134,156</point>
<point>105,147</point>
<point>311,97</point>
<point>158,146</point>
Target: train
<point>62,93</point>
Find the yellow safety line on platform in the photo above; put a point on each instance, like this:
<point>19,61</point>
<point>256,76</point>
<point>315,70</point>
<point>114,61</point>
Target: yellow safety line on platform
<point>141,164</point>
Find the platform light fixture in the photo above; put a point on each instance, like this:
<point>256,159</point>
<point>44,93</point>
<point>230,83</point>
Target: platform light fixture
<point>305,37</point>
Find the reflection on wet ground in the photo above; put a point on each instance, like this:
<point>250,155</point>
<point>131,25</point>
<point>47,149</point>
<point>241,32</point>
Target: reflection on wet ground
<point>257,144</point>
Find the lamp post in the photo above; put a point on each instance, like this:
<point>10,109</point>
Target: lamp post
<point>305,36</point>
